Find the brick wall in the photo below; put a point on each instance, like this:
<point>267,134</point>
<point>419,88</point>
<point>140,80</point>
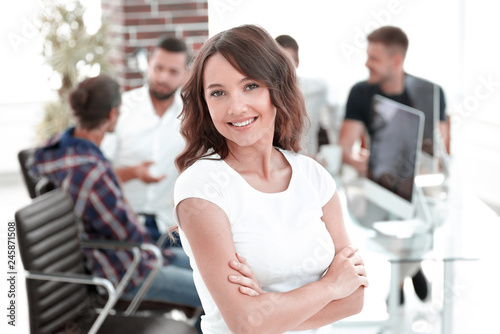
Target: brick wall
<point>137,24</point>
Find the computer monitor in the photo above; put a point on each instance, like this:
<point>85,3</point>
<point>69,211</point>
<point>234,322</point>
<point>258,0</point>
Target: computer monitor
<point>394,156</point>
<point>426,97</point>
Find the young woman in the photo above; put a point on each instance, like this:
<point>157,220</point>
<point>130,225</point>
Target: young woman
<point>261,224</point>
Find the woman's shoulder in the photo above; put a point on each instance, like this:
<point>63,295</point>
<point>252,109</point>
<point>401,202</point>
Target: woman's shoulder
<point>208,170</point>
<point>204,166</point>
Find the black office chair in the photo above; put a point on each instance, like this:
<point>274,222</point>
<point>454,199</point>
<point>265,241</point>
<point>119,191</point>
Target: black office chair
<point>35,185</point>
<point>58,300</point>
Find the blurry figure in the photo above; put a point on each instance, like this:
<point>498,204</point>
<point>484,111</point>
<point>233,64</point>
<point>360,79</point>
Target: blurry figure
<point>315,96</point>
<point>146,139</point>
<point>73,161</point>
<point>387,47</point>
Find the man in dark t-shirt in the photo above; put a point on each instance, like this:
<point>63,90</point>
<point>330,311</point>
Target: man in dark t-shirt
<point>386,52</point>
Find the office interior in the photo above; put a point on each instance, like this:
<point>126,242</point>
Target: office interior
<point>452,43</point>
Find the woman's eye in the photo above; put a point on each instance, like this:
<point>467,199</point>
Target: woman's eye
<point>217,93</point>
<point>251,86</point>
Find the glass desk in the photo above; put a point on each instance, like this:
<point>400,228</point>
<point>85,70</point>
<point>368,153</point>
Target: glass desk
<point>463,229</point>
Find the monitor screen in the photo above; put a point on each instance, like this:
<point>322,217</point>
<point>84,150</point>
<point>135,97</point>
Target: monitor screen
<point>394,155</point>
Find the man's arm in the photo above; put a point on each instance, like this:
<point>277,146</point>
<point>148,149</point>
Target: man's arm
<point>444,131</point>
<point>140,172</point>
<point>105,209</point>
<point>351,131</point>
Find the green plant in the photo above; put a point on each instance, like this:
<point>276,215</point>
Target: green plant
<point>73,54</point>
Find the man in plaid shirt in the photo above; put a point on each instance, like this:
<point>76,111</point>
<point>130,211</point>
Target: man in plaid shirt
<point>72,160</point>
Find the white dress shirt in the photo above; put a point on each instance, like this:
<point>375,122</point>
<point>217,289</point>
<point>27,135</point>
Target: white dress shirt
<point>142,135</point>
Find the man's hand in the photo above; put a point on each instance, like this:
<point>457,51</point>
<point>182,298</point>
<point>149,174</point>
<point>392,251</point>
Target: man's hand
<point>142,172</point>
<point>360,161</point>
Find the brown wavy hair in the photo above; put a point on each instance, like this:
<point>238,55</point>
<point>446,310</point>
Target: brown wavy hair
<point>253,52</point>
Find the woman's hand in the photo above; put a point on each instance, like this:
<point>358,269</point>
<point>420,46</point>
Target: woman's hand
<point>346,273</point>
<point>247,280</point>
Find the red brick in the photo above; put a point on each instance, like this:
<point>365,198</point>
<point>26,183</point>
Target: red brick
<point>190,19</point>
<point>189,33</point>
<point>197,46</point>
<point>177,6</point>
<point>133,75</point>
<point>137,9</point>
<point>140,22</point>
<point>129,49</point>
<point>150,34</point>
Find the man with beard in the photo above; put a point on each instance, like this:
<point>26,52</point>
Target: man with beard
<point>147,139</point>
<point>386,51</point>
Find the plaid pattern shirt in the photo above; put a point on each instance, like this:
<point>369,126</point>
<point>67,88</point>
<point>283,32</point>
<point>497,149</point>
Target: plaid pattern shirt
<point>79,167</point>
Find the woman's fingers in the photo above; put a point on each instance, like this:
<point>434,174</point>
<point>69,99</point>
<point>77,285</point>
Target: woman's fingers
<point>249,292</point>
<point>241,259</point>
<point>348,251</point>
<point>248,285</point>
<point>360,270</point>
<point>242,267</point>
<point>364,281</point>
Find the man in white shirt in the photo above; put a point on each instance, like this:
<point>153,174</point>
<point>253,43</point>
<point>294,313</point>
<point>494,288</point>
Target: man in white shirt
<point>147,140</point>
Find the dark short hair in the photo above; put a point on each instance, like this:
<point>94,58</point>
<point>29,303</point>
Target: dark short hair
<point>93,99</point>
<point>171,44</point>
<point>287,41</point>
<point>390,36</point>
<point>253,52</point>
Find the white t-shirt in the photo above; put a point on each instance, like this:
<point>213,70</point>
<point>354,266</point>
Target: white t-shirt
<point>281,235</point>
<point>141,135</point>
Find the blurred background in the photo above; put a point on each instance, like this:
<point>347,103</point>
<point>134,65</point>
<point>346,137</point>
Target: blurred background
<point>452,42</point>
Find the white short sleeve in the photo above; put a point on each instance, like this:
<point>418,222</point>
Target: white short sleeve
<point>205,181</point>
<point>319,177</point>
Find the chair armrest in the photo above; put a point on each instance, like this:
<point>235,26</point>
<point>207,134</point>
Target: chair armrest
<point>134,247</point>
<point>134,304</point>
<point>81,279</point>
<point>72,278</point>
<point>154,250</point>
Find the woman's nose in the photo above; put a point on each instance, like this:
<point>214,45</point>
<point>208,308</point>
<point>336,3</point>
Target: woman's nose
<point>238,104</point>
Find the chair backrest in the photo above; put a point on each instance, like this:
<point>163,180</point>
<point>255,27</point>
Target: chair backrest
<point>36,185</point>
<point>48,242</point>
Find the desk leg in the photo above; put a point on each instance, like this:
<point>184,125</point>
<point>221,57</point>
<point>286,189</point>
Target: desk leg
<point>448,298</point>
<point>394,294</point>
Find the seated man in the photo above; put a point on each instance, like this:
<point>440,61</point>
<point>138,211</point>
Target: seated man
<point>386,52</point>
<point>72,160</point>
<point>146,140</point>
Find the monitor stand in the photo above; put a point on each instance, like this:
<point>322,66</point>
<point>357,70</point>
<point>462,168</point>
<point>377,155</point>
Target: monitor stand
<point>422,222</point>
